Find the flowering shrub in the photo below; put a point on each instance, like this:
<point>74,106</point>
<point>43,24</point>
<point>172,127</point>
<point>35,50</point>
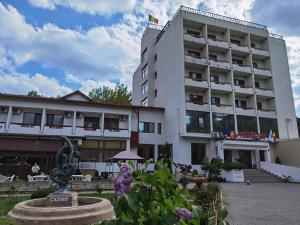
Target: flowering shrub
<point>152,199</point>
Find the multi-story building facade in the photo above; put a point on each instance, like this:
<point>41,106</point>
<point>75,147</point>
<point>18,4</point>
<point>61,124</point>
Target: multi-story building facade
<point>30,128</point>
<point>224,84</point>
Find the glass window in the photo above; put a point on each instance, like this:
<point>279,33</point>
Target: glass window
<point>254,64</point>
<point>195,75</point>
<point>240,83</point>
<point>155,75</point>
<point>267,125</point>
<point>159,128</point>
<point>146,151</point>
<point>144,55</point>
<point>214,78</point>
<point>144,102</point>
<point>197,99</point>
<point>259,105</point>
<point>212,36</point>
<point>257,84</point>
<point>253,45</point>
<point>237,61</point>
<point>89,155</point>
<point>91,122</point>
<point>145,71</point>
<point>223,122</point>
<point>146,127</point>
<point>193,53</point>
<point>155,57</point>
<point>240,103</point>
<point>155,92</point>
<point>165,151</point>
<point>213,57</point>
<point>197,122</point>
<point>55,120</point>
<point>144,87</point>
<point>247,124</point>
<point>234,41</point>
<point>32,118</point>
<point>198,153</point>
<point>111,123</point>
<point>193,32</point>
<point>228,155</point>
<point>215,101</point>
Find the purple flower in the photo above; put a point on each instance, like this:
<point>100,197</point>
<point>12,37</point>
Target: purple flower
<point>122,182</point>
<point>184,214</point>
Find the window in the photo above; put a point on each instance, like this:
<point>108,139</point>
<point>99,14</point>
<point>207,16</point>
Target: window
<point>111,123</point>
<point>146,151</point>
<point>145,71</point>
<point>146,127</point>
<point>193,32</point>
<point>165,151</point>
<point>215,101</point>
<point>257,84</point>
<point>144,55</point>
<point>195,75</point>
<point>91,122</point>
<point>159,128</point>
<point>194,53</point>
<point>240,104</point>
<point>227,155</point>
<point>240,83</point>
<point>198,99</point>
<point>247,124</point>
<point>33,119</point>
<point>198,153</point>
<point>254,64</point>
<point>253,45</point>
<point>155,57</point>
<point>144,102</point>
<point>223,123</point>
<point>55,120</point>
<point>197,122</point>
<point>144,88</point>
<point>212,37</point>
<point>234,41</point>
<point>268,124</point>
<point>259,105</point>
<point>237,61</point>
<point>214,78</point>
<point>155,75</point>
<point>213,57</point>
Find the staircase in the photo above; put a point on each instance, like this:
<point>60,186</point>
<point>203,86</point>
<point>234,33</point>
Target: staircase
<point>261,176</point>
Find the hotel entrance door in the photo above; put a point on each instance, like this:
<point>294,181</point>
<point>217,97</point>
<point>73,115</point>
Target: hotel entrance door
<point>245,158</point>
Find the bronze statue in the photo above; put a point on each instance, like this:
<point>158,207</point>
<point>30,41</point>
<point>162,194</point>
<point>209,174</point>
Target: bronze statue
<point>65,166</point>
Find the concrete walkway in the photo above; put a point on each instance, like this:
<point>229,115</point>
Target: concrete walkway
<point>262,203</point>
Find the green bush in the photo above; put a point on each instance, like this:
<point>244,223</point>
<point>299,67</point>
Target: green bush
<point>195,172</point>
<point>228,165</point>
<point>213,168</point>
<point>42,193</point>
<point>206,193</point>
<point>184,181</point>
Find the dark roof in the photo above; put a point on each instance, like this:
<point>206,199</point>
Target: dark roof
<point>77,92</point>
<point>62,100</point>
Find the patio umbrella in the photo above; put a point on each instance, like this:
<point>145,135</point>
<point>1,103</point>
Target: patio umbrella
<point>126,155</point>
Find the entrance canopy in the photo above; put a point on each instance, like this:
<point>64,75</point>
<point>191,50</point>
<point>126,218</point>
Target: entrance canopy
<point>243,145</point>
<point>126,155</point>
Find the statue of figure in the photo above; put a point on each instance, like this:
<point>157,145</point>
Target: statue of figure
<point>65,166</point>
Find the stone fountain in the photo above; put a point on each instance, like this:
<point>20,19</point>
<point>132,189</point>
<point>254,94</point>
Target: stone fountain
<point>63,207</point>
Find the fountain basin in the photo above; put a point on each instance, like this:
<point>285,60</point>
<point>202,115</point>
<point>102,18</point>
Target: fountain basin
<point>90,210</point>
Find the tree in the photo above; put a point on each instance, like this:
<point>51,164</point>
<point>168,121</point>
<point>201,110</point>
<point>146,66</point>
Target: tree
<point>33,93</point>
<point>117,95</point>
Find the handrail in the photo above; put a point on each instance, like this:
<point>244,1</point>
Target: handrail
<point>260,68</point>
<point>277,36</point>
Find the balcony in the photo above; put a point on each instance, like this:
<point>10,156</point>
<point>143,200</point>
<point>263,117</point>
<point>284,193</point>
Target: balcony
<point>260,51</point>
<point>195,59</point>
<point>197,106</point>
<point>87,131</point>
<point>195,82</point>
<point>246,111</point>
<point>20,128</point>
<point>220,64</point>
<point>221,86</point>
<point>264,92</point>
<point>57,130</point>
<point>262,71</point>
<point>240,47</point>
<point>121,132</point>
<point>218,43</point>
<point>244,89</point>
<point>222,108</point>
<point>268,113</point>
<point>241,68</point>
<point>194,38</point>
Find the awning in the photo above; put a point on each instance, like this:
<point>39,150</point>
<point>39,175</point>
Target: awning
<point>126,155</point>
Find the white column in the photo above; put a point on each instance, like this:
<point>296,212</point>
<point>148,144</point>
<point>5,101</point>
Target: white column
<point>268,155</point>
<point>43,121</point>
<point>220,152</point>
<point>8,119</point>
<point>74,122</point>
<point>128,144</point>
<point>257,159</point>
<point>102,123</point>
<point>129,124</point>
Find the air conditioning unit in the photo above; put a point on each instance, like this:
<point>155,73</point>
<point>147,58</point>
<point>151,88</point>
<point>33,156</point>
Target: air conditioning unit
<point>68,114</point>
<point>123,118</point>
<point>4,110</point>
<point>79,115</point>
<point>16,110</point>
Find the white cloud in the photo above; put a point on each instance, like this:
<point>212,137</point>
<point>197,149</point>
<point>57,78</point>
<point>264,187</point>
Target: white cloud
<point>103,7</point>
<point>22,84</point>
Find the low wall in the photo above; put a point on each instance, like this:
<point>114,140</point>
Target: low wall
<point>288,151</point>
<point>282,170</point>
<point>233,175</point>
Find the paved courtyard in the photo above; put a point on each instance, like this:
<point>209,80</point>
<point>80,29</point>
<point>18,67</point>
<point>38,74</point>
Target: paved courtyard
<point>263,204</point>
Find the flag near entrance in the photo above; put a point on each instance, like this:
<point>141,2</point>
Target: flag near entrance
<point>152,19</point>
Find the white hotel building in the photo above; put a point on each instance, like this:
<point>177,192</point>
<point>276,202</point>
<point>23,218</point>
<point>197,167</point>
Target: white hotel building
<point>200,77</point>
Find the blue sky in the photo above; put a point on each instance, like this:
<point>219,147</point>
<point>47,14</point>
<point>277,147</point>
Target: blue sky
<point>56,46</point>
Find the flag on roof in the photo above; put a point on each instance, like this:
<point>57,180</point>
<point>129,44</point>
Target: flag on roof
<point>152,19</point>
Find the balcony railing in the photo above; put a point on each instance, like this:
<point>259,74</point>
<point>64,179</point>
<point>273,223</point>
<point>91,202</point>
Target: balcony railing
<point>245,108</point>
<point>194,35</point>
<point>194,56</point>
<point>222,105</point>
<point>221,83</point>
<point>218,60</point>
<point>197,102</point>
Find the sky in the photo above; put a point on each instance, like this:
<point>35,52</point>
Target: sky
<point>58,46</point>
